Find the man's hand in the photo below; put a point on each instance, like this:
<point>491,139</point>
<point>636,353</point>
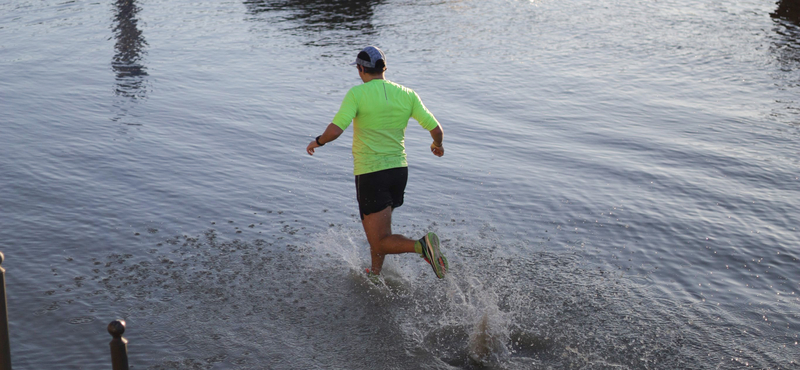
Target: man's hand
<point>437,136</point>
<point>437,150</point>
<point>311,146</point>
<point>331,133</point>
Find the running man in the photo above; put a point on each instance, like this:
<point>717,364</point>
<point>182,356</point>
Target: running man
<point>379,110</point>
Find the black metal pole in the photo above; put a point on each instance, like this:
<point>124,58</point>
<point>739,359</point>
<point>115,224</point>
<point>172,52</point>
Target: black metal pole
<point>5,347</point>
<point>119,345</point>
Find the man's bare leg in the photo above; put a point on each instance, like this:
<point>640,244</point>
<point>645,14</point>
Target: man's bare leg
<point>378,227</point>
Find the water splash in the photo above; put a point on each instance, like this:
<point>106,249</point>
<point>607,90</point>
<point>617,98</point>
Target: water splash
<point>291,301</point>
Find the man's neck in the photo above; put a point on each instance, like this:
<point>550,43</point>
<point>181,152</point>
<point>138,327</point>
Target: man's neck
<point>370,77</point>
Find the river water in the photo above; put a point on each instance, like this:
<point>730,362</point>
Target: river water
<point>619,190</point>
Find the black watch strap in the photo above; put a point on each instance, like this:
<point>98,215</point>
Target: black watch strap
<point>317,140</point>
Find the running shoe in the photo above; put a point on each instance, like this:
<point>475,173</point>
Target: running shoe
<point>432,254</point>
<point>374,278</point>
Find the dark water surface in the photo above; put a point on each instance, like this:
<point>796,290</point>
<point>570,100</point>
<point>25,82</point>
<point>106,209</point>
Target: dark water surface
<point>620,187</point>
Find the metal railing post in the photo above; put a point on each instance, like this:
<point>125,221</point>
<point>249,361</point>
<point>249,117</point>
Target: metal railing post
<point>119,345</point>
<point>5,346</point>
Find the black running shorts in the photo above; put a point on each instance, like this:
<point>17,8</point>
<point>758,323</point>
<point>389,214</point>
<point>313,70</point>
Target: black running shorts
<point>377,190</point>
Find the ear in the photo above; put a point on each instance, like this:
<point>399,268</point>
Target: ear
<point>360,68</point>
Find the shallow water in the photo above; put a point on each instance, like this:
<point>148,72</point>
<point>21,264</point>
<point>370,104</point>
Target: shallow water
<point>620,187</point>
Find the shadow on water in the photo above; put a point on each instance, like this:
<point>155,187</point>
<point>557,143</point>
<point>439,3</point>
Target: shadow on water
<point>322,20</point>
<point>129,50</point>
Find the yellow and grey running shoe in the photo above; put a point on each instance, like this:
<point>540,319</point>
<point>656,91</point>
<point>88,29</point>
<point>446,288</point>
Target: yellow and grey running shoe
<point>373,278</point>
<point>432,254</point>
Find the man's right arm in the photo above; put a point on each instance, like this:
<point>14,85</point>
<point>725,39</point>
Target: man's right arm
<point>342,119</point>
<point>332,132</point>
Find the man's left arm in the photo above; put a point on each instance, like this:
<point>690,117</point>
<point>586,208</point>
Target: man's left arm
<point>420,113</point>
<point>438,135</point>
<point>332,132</point>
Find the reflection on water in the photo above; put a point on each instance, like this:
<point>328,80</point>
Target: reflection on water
<point>315,16</point>
<point>786,48</point>
<point>789,10</point>
<point>130,47</point>
<point>787,45</point>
